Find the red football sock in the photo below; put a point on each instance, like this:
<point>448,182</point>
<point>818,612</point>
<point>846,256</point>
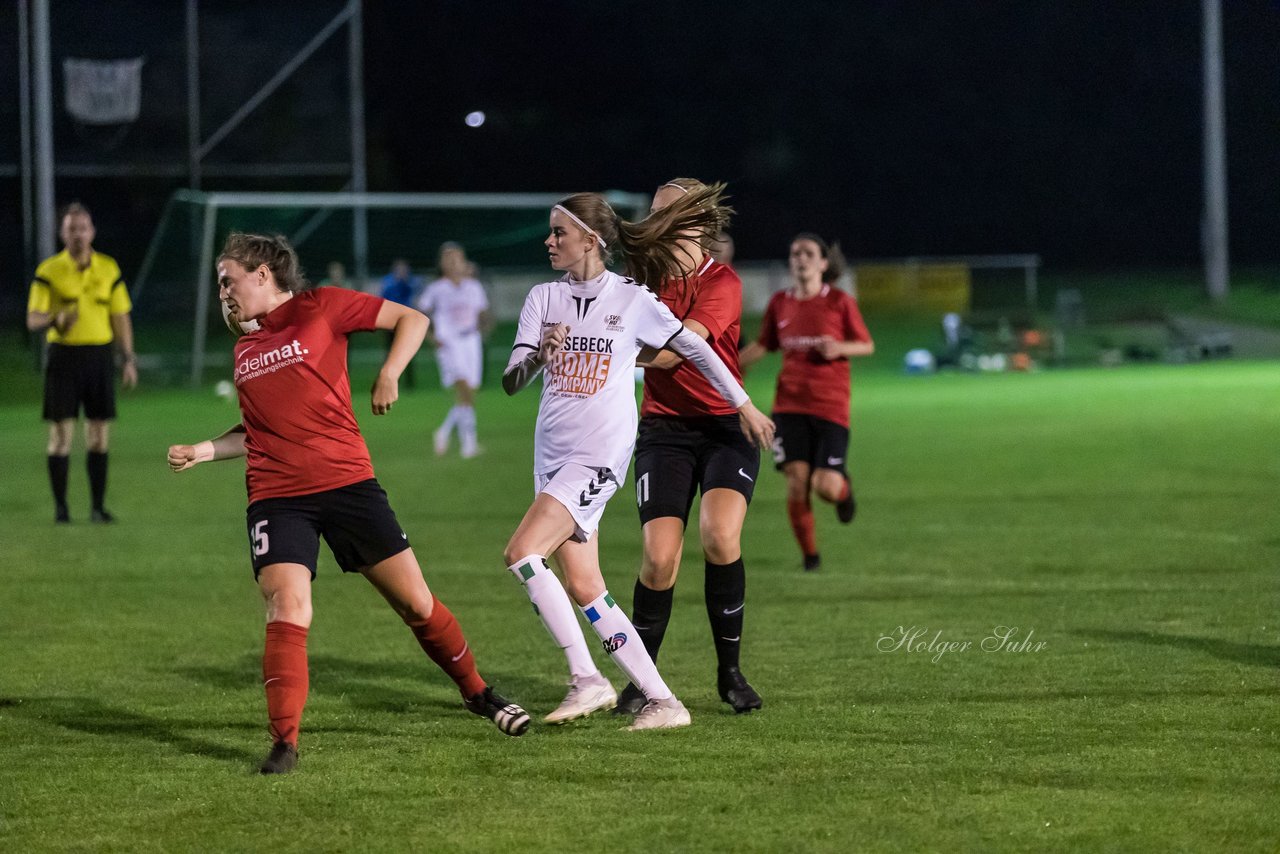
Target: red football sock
<point>285,678</point>
<point>441,638</point>
<point>802,526</point>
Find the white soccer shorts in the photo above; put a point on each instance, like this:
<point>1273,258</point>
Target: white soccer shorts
<point>461,359</point>
<point>583,490</point>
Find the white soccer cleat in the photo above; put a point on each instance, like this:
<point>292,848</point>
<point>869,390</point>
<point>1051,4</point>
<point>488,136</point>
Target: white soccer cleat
<point>440,439</point>
<point>662,714</point>
<point>587,694</point>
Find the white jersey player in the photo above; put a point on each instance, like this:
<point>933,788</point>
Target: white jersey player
<point>582,333</point>
<point>459,312</point>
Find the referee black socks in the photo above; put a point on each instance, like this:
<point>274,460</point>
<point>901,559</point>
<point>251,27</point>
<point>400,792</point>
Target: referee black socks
<point>58,483</point>
<point>96,464</point>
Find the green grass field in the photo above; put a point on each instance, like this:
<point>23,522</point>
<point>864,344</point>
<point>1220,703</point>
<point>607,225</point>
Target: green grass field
<point>1126,519</point>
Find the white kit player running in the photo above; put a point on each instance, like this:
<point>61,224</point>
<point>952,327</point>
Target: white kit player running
<point>584,331</point>
<point>459,312</point>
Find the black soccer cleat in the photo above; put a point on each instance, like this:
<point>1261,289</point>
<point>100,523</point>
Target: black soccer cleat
<point>630,701</point>
<point>101,517</point>
<point>506,716</point>
<point>812,563</point>
<point>61,514</point>
<point>282,759</point>
<point>847,509</point>
<point>736,691</point>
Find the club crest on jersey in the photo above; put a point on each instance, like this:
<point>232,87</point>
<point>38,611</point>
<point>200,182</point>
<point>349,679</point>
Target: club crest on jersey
<point>615,643</point>
<point>613,323</point>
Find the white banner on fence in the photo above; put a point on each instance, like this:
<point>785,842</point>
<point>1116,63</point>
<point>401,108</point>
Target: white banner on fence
<point>103,92</point>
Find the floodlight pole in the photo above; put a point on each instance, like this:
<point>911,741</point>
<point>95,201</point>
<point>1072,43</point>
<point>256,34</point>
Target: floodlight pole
<point>46,226</point>
<point>193,94</point>
<point>24,133</point>
<point>359,180</point>
<point>1214,234</point>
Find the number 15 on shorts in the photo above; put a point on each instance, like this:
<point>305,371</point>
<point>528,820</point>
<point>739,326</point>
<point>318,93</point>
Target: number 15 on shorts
<point>258,538</point>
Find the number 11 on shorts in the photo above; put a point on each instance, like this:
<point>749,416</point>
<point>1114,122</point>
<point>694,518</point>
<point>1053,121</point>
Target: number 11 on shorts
<point>642,489</point>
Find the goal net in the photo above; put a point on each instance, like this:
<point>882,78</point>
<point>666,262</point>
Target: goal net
<point>175,295</point>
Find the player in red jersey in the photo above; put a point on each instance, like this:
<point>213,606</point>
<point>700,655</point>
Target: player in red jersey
<point>818,328</point>
<point>309,474</point>
<point>689,442</point>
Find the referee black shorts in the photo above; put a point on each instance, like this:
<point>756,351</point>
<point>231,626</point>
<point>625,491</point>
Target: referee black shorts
<point>356,521</point>
<point>79,375</point>
<point>676,457</point>
<point>808,439</point>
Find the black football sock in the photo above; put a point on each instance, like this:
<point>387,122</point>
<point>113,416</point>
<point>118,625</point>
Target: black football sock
<point>650,613</point>
<point>96,463</point>
<point>726,590</point>
<point>58,466</point>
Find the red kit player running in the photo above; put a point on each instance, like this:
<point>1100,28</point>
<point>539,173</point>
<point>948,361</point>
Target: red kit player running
<point>309,474</point>
<point>818,328</point>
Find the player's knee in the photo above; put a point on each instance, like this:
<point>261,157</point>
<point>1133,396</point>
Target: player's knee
<point>289,607</point>
<point>658,571</point>
<point>516,549</point>
<point>720,543</point>
<point>829,484</point>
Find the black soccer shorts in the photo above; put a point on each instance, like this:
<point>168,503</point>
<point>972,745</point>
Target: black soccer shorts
<point>676,457</point>
<point>808,439</point>
<point>79,375</point>
<point>356,521</point>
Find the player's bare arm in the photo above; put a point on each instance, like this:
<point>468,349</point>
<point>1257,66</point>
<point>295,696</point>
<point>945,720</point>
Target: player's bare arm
<point>829,348</point>
<point>409,327</point>
<point>122,329</point>
<point>523,368</point>
<point>756,426</point>
<point>650,357</point>
<point>225,447</point>
<point>751,354</point>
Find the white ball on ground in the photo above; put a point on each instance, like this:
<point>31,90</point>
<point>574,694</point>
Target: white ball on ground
<point>919,361</point>
<point>225,390</point>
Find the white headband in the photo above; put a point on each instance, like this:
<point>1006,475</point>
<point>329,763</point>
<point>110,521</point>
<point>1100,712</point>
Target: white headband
<point>588,229</point>
<point>684,190</point>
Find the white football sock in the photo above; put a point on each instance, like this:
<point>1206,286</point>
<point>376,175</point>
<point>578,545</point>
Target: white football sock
<point>450,420</point>
<point>467,429</point>
<point>624,646</point>
<point>552,604</point>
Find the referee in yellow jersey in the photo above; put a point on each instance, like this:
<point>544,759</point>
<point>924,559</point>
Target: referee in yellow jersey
<point>80,297</point>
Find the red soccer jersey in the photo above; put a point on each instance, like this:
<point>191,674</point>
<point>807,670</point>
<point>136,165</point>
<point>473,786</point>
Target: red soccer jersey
<point>809,384</point>
<point>295,395</point>
<point>713,297</point>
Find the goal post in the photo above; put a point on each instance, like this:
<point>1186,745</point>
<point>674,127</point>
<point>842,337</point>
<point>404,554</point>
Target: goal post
<point>176,278</point>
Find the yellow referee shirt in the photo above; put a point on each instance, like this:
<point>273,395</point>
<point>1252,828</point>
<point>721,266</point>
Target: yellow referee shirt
<point>98,291</point>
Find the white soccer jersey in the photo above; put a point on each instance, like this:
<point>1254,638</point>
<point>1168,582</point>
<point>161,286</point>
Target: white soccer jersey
<point>587,413</point>
<point>454,309</point>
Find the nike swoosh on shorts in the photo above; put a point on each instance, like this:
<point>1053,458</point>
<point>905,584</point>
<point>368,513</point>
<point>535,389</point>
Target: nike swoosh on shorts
<point>747,476</point>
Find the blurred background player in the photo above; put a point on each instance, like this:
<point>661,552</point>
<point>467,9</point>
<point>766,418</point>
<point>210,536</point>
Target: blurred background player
<point>818,328</point>
<point>335,276</point>
<point>309,474</point>
<point>584,330</point>
<point>689,442</point>
<point>460,320</point>
<point>401,286</point>
<point>80,297</point>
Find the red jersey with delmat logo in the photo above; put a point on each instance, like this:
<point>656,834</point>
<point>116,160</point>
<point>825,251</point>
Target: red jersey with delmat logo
<point>713,297</point>
<point>809,384</point>
<point>295,395</point>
